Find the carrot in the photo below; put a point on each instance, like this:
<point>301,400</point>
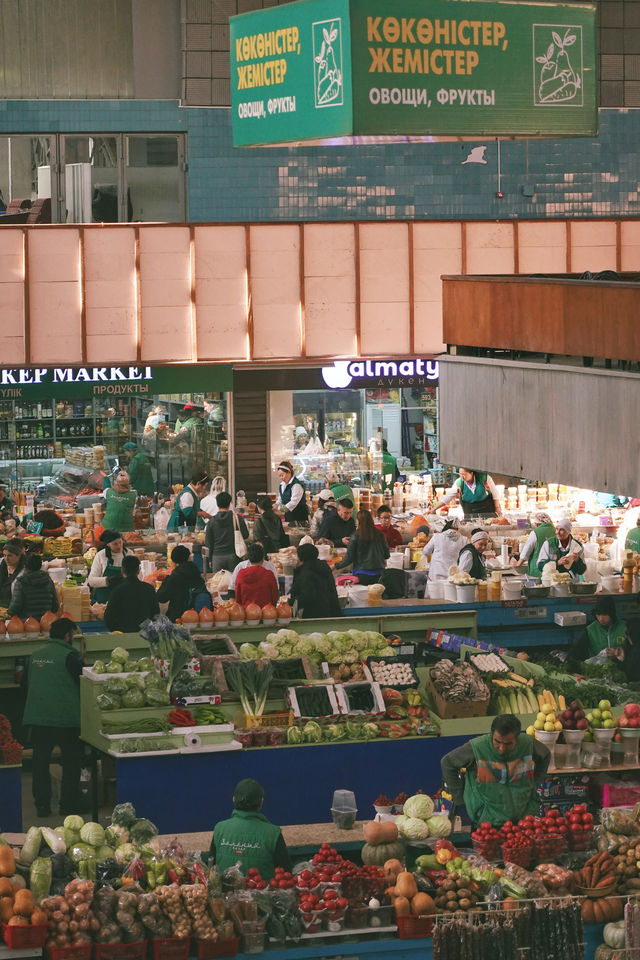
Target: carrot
<point>606,881</point>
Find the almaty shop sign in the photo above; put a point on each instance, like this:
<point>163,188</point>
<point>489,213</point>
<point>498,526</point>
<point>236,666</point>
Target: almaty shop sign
<point>328,68</point>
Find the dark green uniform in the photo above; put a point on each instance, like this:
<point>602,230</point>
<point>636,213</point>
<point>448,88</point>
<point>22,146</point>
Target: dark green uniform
<point>248,838</point>
<point>602,637</point>
<point>501,787</point>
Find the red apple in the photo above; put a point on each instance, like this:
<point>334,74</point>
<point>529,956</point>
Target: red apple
<point>623,721</point>
<point>582,724</point>
<point>578,714</point>
<point>631,710</point>
<point>617,738</point>
<point>634,721</point>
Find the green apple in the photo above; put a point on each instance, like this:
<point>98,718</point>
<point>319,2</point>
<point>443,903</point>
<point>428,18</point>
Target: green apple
<point>608,724</point>
<point>604,705</point>
<point>589,718</point>
<point>606,715</point>
<point>597,712</point>
<point>539,725</point>
<point>588,736</point>
<point>597,724</point>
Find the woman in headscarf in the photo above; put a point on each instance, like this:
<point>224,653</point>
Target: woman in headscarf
<point>106,569</point>
<point>542,531</point>
<point>606,632</point>
<point>291,495</point>
<point>444,549</point>
<point>470,558</point>
<point>564,550</point>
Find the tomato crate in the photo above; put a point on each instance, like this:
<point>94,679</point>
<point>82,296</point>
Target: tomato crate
<point>275,718</point>
<point>410,928</point>
<point>210,949</point>
<point>170,948</point>
<point>22,938</point>
<point>81,951</point>
<point>120,951</point>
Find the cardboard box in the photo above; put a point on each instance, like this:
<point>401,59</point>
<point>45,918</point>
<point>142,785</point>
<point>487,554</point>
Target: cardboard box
<point>569,618</point>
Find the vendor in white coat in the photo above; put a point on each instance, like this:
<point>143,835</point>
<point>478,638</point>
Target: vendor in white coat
<point>444,548</point>
<point>106,569</point>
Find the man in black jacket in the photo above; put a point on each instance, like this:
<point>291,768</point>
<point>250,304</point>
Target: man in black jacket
<point>314,588</point>
<point>132,602</point>
<point>339,526</point>
<point>182,585</point>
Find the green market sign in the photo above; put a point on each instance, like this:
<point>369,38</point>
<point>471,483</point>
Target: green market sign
<point>121,381</point>
<point>330,68</point>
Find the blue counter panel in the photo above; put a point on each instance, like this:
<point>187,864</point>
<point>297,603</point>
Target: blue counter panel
<point>185,794</point>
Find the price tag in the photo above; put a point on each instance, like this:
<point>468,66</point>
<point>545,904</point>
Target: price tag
<point>514,603</point>
<point>214,698</point>
<point>532,613</point>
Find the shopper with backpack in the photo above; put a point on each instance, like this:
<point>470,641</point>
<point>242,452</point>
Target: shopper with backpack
<point>184,588</point>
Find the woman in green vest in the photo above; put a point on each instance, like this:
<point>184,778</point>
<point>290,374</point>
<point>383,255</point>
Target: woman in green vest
<point>478,494</point>
<point>121,501</point>
<point>106,569</point>
<point>247,837</point>
<point>502,771</point>
<point>470,558</point>
<point>564,550</point>
<point>607,632</point>
<point>542,531</point>
<point>186,508</point>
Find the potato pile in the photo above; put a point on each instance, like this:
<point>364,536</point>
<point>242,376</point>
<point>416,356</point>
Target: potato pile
<point>457,893</point>
<point>626,866</point>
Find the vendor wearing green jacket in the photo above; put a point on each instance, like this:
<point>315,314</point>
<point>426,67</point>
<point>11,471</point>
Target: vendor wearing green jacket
<point>606,632</point>
<point>633,537</point>
<point>496,775</point>
<point>390,470</point>
<point>542,531</point>
<point>140,470</point>
<point>52,710</point>
<point>247,837</point>
<point>564,550</point>
<point>120,500</point>
<point>186,507</point>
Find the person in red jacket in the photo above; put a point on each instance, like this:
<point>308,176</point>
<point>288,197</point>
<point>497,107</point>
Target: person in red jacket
<point>254,584</point>
<point>391,534</point>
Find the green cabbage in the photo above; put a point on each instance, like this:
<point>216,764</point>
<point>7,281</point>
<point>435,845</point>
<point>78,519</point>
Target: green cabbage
<point>99,667</point>
<point>104,852</point>
<point>294,735</point>
<point>126,852</point>
<point>54,841</point>
<point>144,664</point>
<point>154,697</point>
<point>114,666</point>
<point>115,686</point>
<point>439,825</point>
<point>120,654</point>
<point>413,829</point>
<point>93,834</point>
<point>420,805</point>
<point>249,651</point>
<point>334,731</point>
<point>154,679</point>
<point>134,682</point>
<point>130,666</point>
<point>108,701</point>
<point>370,730</point>
<point>133,698</point>
<point>268,650</point>
<point>312,732</point>
<point>73,822</point>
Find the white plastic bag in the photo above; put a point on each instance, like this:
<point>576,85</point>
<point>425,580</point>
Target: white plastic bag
<point>161,518</point>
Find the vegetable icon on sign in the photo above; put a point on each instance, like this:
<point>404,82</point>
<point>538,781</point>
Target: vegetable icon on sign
<point>556,79</point>
<point>327,63</point>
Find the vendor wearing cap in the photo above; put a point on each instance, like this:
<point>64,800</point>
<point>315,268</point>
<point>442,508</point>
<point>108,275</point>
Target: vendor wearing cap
<point>186,509</point>
<point>470,558</point>
<point>106,569</point>
<point>564,550</point>
<point>607,632</point>
<point>543,531</point>
<point>139,470</point>
<point>247,837</point>
<point>291,494</point>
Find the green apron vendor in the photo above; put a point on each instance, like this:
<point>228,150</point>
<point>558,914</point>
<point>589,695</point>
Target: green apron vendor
<point>544,530</point>
<point>607,632</point>
<point>121,501</point>
<point>247,837</point>
<point>479,496</point>
<point>106,569</point>
<point>496,776</point>
<point>186,509</point>
<point>140,470</point>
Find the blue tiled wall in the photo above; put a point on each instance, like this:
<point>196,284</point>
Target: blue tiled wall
<point>572,177</point>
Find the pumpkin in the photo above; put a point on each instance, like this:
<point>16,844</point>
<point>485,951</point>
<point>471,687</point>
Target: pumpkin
<point>6,909</point>
<point>390,892</point>
<point>23,902</point>
<point>221,615</point>
<point>422,904</point>
<point>7,861</point>
<point>236,613</point>
<point>39,917</point>
<point>269,613</point>
<point>47,619</point>
<point>17,921</point>
<point>406,885</point>
<point>614,935</point>
<point>15,627</point>
<point>31,625</point>
<point>206,615</point>
<point>190,616</point>
<point>376,832</point>
<point>418,521</point>
<point>6,890</point>
<point>402,907</point>
<point>392,868</point>
<point>379,853</point>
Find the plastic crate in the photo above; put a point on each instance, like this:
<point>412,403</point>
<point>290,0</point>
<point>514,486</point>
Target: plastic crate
<point>411,928</point>
<point>618,793</point>
<point>81,951</point>
<point>210,949</point>
<point>21,938</point>
<point>171,948</point>
<point>120,951</point>
<point>275,718</point>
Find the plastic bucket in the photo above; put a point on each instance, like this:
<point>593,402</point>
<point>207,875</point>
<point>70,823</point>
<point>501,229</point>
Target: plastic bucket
<point>465,592</point>
<point>435,589</point>
<point>395,561</point>
<point>450,592</point>
<point>358,596</point>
